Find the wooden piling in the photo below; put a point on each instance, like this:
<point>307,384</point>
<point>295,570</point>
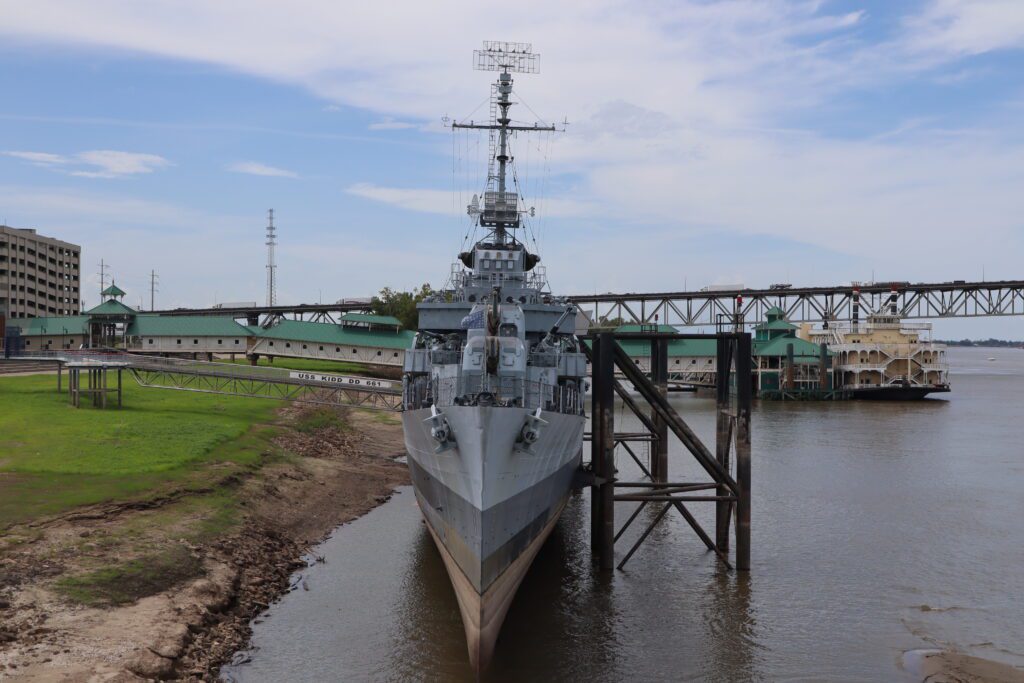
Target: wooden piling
<point>743,402</point>
<point>603,451</point>
<point>723,440</point>
<point>659,375</point>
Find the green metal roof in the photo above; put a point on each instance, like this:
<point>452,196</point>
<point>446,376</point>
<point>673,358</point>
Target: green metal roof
<point>32,327</point>
<point>777,347</point>
<point>371,319</point>
<point>186,326</point>
<point>113,290</point>
<point>676,347</point>
<point>111,307</point>
<point>776,325</point>
<point>327,333</point>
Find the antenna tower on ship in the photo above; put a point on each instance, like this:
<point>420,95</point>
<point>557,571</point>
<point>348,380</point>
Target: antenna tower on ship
<point>271,265</point>
<point>500,211</point>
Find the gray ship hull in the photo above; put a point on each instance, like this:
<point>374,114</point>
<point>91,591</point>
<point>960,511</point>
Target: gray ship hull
<point>488,505</point>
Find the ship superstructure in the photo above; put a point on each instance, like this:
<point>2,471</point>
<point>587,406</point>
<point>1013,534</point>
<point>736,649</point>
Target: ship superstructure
<point>493,391</point>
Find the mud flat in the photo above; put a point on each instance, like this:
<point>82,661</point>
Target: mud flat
<point>165,586</point>
<point>948,666</point>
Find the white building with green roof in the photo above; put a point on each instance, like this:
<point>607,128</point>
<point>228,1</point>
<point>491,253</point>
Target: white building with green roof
<point>360,338</point>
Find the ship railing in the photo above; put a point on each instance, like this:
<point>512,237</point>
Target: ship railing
<point>534,279</point>
<point>502,391</point>
<point>895,350</point>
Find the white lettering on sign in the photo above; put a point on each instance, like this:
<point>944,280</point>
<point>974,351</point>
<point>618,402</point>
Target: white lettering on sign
<point>368,382</point>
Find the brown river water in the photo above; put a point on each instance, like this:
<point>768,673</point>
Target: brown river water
<point>878,529</point>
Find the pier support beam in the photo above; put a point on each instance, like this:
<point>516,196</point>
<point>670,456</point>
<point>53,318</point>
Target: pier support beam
<point>731,492</point>
<point>743,401</point>
<point>723,442</point>
<point>659,375</point>
<point>603,451</point>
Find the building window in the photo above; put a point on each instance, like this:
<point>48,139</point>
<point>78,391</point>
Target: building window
<point>195,341</point>
<point>303,347</point>
<point>353,350</point>
<point>287,345</point>
<point>510,265</point>
<point>236,342</point>
<point>220,341</point>
<point>179,341</point>
<point>378,353</point>
<point>396,354</point>
<point>271,343</point>
<point>321,348</point>
<point>337,349</point>
<point>150,341</point>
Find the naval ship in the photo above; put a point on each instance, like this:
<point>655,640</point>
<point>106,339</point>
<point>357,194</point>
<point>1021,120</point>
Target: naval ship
<point>493,391</point>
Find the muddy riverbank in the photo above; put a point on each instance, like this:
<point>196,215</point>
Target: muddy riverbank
<point>166,588</point>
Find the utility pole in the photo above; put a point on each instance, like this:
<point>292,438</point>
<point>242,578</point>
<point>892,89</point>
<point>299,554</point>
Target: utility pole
<point>103,277</point>
<point>152,289</point>
<point>271,265</point>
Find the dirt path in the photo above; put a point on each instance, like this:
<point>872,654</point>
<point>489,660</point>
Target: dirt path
<point>217,564</point>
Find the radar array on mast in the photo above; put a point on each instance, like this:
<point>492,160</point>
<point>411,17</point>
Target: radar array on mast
<point>500,211</point>
<point>500,55</point>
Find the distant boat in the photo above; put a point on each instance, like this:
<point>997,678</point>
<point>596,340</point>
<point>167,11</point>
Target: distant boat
<point>991,357</point>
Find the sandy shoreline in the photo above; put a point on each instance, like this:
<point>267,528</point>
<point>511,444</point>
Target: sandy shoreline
<point>189,630</point>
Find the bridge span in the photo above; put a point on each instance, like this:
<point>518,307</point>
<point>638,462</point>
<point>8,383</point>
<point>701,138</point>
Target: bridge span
<point>958,299</point>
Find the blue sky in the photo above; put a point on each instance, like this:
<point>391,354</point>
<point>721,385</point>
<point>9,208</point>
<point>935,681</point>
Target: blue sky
<point>755,142</point>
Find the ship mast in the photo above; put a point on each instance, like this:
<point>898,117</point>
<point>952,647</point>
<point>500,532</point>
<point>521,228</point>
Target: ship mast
<point>500,211</point>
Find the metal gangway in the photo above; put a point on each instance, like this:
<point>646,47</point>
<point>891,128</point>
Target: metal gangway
<point>285,384</point>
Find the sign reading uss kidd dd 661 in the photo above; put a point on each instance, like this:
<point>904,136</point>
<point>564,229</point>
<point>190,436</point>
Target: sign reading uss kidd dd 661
<point>368,382</point>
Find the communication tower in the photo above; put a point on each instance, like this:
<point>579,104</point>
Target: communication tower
<point>271,265</point>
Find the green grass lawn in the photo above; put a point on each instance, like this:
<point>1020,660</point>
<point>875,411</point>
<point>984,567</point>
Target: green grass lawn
<point>54,457</point>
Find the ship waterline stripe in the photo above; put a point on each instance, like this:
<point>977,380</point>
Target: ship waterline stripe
<point>480,546</point>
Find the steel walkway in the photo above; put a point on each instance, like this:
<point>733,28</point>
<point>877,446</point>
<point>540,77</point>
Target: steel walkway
<point>235,379</point>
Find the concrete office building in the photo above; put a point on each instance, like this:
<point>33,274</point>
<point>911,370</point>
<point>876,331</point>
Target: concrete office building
<point>39,276</point>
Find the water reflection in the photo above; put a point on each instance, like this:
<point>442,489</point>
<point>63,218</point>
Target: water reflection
<point>877,529</point>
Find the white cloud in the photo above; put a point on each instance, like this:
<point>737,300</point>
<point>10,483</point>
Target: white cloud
<point>391,124</point>
<point>39,158</point>
<point>110,163</point>
<point>429,201</point>
<point>104,163</point>
<point>442,201</point>
<point>256,168</point>
<point>679,109</point>
<point>967,27</point>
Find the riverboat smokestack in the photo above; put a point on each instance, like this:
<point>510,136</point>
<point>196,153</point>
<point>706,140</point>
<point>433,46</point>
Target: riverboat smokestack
<point>855,316</point>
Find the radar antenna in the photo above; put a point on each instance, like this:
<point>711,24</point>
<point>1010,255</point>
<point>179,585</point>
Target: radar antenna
<point>500,210</point>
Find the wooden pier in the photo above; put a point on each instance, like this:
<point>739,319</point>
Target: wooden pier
<point>728,486</point>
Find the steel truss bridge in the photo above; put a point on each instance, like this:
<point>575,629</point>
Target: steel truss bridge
<point>810,304</point>
<point>235,379</point>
